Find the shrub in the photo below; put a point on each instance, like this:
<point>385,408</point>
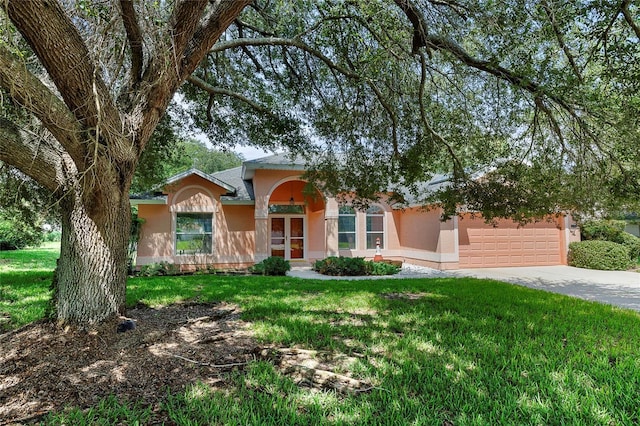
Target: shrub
<point>352,266</point>
<point>274,265</point>
<point>382,268</point>
<point>632,243</point>
<point>341,266</point>
<point>53,236</point>
<point>159,269</point>
<point>16,234</point>
<point>607,230</point>
<point>597,254</point>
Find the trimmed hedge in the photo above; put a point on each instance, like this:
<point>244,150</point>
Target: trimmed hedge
<point>353,266</point>
<point>612,230</point>
<point>274,265</point>
<point>598,254</point>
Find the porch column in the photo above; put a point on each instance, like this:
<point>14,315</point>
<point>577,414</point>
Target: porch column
<point>262,229</point>
<point>331,227</point>
<point>449,244</point>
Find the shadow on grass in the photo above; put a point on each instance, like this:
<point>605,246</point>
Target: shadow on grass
<point>467,351</point>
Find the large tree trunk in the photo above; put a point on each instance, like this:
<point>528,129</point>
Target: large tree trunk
<point>92,271</point>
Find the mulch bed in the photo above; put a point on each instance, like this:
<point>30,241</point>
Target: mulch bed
<point>44,367</point>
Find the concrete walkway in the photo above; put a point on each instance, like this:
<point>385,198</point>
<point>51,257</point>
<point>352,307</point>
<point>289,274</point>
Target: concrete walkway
<point>612,287</point>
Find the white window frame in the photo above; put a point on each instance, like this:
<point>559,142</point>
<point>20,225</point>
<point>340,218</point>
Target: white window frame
<point>383,233</point>
<point>354,215</point>
<point>175,233</point>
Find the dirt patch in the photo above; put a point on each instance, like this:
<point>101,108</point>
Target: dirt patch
<point>45,368</point>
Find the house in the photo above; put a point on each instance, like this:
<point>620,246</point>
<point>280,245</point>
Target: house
<point>243,215</point>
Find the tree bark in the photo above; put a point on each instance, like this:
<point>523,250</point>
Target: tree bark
<point>92,270</point>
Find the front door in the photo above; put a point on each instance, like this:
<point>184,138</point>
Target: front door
<point>287,237</point>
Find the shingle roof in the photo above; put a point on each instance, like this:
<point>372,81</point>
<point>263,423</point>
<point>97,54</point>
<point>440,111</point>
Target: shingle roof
<point>272,162</point>
<point>243,188</point>
<point>203,175</point>
<point>238,181</point>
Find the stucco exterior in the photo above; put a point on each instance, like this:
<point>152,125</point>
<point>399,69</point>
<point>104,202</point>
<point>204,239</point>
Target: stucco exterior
<point>265,208</point>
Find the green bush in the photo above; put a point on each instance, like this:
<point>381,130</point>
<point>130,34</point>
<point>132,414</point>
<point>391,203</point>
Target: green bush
<point>597,254</point>
<point>382,268</point>
<point>632,243</point>
<point>53,236</point>
<point>612,230</point>
<point>607,230</point>
<point>274,265</point>
<point>16,234</point>
<point>352,266</point>
<point>341,266</point>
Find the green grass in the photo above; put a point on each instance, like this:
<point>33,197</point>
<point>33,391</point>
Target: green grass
<point>25,276</point>
<point>469,352</point>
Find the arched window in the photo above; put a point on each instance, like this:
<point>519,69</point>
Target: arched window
<point>346,228</point>
<point>375,226</point>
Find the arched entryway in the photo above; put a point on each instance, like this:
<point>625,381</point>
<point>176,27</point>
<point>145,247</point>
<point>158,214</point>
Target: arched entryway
<point>295,213</point>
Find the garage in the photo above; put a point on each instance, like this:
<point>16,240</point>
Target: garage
<point>482,245</point>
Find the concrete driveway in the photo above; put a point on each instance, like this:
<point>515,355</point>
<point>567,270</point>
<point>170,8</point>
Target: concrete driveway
<point>613,287</point>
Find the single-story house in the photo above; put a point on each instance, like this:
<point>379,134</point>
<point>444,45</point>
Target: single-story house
<point>238,217</point>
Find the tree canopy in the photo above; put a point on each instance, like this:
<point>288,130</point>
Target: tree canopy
<point>540,94</point>
<point>540,98</point>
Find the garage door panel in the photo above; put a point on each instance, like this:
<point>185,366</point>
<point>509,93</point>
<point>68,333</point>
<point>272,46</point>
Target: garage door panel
<point>507,245</point>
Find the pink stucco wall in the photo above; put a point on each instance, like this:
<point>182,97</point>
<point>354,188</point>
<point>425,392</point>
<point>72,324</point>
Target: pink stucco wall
<point>234,239</point>
<point>156,240</point>
<point>242,234</point>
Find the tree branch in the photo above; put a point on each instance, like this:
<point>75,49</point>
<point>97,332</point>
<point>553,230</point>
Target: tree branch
<point>164,77</point>
<point>390,111</point>
<point>221,16</point>
<point>61,50</point>
<point>28,90</point>
<point>417,21</point>
<point>201,84</point>
<point>184,21</point>
<point>276,41</point>
<point>134,36</point>
<point>627,16</point>
<point>560,38</point>
<point>425,122</point>
<point>38,161</point>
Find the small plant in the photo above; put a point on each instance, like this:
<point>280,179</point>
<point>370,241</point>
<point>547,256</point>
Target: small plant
<point>274,265</point>
<point>159,269</point>
<point>383,268</point>
<point>597,254</point>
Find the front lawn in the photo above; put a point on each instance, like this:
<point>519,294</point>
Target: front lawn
<point>25,277</point>
<point>432,351</point>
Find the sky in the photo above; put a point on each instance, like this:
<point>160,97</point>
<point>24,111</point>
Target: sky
<point>250,152</point>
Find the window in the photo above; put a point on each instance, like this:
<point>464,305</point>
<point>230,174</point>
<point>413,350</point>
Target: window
<point>346,228</point>
<point>286,209</point>
<point>193,233</point>
<point>375,226</point>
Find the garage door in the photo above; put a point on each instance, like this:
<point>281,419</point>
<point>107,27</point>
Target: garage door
<point>485,246</point>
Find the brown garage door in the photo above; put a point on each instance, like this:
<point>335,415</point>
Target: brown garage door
<point>485,246</point>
